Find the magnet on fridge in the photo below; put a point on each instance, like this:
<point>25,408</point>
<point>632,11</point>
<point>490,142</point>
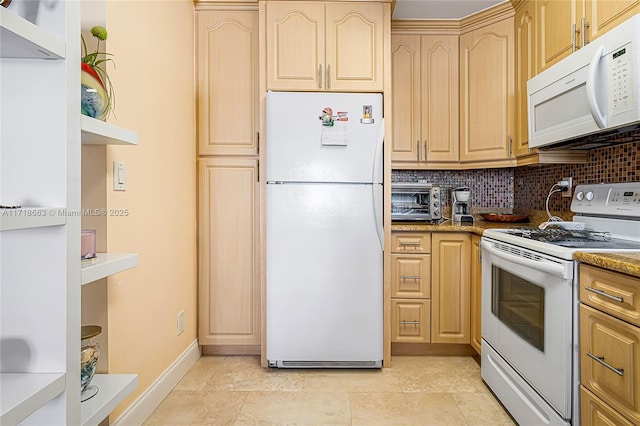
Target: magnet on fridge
<point>367,115</point>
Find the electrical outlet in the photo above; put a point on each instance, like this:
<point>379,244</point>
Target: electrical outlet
<point>180,323</point>
<point>568,193</point>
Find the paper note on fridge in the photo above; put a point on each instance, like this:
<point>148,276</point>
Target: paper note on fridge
<point>336,134</point>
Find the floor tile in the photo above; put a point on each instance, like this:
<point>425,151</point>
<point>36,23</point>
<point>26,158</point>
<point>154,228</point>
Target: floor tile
<point>402,408</point>
<point>296,408</point>
<point>379,380</point>
<point>482,409</point>
<point>192,408</point>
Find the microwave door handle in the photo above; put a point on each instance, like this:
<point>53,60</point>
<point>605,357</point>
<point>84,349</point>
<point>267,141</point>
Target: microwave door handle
<point>591,89</point>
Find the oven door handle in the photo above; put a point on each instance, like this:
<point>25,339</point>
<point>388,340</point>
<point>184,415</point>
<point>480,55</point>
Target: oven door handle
<point>546,266</point>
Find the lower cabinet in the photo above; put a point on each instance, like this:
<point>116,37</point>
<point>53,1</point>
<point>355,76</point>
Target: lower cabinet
<point>450,263</point>
<point>229,285</point>
<point>430,287</point>
<point>609,347</point>
<point>476,293</point>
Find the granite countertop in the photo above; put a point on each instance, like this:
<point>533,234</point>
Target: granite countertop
<point>624,262</point>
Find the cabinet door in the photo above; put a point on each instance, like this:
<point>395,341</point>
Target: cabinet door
<point>594,412</point>
<point>476,293</point>
<point>227,83</point>
<point>525,69</point>
<point>610,361</point>
<point>450,319</point>
<point>439,98</point>
<point>602,15</point>
<point>354,46</point>
<point>486,92</point>
<point>229,292</point>
<point>295,52</point>
<point>411,276</point>
<point>558,23</point>
<point>410,320</point>
<point>407,141</point>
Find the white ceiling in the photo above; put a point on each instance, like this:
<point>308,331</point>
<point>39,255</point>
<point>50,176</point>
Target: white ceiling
<point>440,9</point>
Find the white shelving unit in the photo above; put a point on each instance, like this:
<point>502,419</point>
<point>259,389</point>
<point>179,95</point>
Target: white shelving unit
<point>112,390</point>
<point>41,160</point>
<point>24,393</point>
<point>96,132</point>
<point>31,217</point>
<point>19,38</point>
<point>108,264</point>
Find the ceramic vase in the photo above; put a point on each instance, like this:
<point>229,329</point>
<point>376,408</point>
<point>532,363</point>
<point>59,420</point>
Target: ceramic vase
<point>94,98</point>
<point>89,354</point>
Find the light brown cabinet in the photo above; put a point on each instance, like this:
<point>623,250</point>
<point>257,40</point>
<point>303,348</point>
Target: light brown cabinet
<point>487,94</point>
<point>228,192</point>
<point>450,280</point>
<point>425,100</point>
<point>609,346</point>
<point>525,63</point>
<point>411,288</point>
<point>565,26</point>
<point>227,58</point>
<point>476,294</point>
<point>317,46</point>
<point>228,270</point>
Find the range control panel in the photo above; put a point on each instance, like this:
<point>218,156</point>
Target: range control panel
<point>614,199</point>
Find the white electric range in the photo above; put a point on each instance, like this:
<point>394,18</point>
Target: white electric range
<point>530,301</point>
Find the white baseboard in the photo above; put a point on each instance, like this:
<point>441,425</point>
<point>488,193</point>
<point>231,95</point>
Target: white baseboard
<point>148,401</point>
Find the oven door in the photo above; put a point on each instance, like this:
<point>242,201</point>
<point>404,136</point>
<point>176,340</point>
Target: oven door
<point>527,319</point>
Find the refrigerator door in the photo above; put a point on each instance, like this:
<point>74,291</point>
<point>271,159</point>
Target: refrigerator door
<point>300,148</point>
<point>324,275</point>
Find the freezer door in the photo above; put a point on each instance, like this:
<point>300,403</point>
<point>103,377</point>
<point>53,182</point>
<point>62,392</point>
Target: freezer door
<point>301,148</point>
<point>324,273</point>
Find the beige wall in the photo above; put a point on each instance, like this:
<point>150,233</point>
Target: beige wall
<point>152,43</point>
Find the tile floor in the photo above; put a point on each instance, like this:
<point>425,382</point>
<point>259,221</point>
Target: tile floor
<point>235,390</point>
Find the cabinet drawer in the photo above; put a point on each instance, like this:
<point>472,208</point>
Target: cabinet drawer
<point>611,292</point>
<point>411,276</point>
<point>410,320</point>
<point>417,242</point>
<point>610,360</point>
<point>593,411</point>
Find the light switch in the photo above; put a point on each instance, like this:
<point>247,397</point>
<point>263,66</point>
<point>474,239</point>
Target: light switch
<point>119,176</point>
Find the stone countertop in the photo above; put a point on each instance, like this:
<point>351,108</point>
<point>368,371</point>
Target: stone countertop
<point>624,262</point>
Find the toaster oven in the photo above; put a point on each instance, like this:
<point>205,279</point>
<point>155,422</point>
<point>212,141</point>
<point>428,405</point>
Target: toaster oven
<point>415,201</point>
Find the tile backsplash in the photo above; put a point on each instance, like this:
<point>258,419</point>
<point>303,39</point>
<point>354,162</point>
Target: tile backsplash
<point>526,188</point>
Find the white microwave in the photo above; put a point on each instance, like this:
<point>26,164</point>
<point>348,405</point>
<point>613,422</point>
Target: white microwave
<point>594,91</point>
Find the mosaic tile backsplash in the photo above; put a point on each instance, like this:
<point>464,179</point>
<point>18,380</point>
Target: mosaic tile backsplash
<point>526,188</point>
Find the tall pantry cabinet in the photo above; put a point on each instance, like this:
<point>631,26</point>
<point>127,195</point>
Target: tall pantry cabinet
<point>228,191</point>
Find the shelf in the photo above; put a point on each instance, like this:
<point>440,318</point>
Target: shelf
<point>20,38</point>
<point>25,393</point>
<point>112,390</point>
<point>97,132</point>
<point>31,217</point>
<point>108,264</point>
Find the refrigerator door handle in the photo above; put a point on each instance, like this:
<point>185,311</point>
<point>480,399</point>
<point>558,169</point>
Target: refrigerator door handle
<point>377,157</point>
<point>377,212</point>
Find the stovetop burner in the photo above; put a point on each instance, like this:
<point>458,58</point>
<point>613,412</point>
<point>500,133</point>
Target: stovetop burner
<point>560,236</point>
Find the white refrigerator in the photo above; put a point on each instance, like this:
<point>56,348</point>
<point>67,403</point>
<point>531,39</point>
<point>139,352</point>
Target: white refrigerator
<point>324,234</point>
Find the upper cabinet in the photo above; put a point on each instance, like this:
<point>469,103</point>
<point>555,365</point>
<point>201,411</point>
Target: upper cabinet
<point>316,46</point>
<point>602,15</point>
<point>425,100</point>
<point>228,118</point>
<point>487,94</point>
<point>564,26</point>
<point>558,30</point>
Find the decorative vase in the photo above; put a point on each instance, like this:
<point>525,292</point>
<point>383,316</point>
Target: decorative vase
<point>95,99</point>
<point>89,354</point>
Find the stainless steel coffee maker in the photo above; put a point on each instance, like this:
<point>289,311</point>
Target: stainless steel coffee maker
<point>460,204</point>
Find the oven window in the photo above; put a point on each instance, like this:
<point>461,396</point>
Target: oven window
<point>519,304</point>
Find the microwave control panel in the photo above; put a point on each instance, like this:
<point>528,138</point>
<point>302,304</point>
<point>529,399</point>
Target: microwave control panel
<point>620,72</point>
